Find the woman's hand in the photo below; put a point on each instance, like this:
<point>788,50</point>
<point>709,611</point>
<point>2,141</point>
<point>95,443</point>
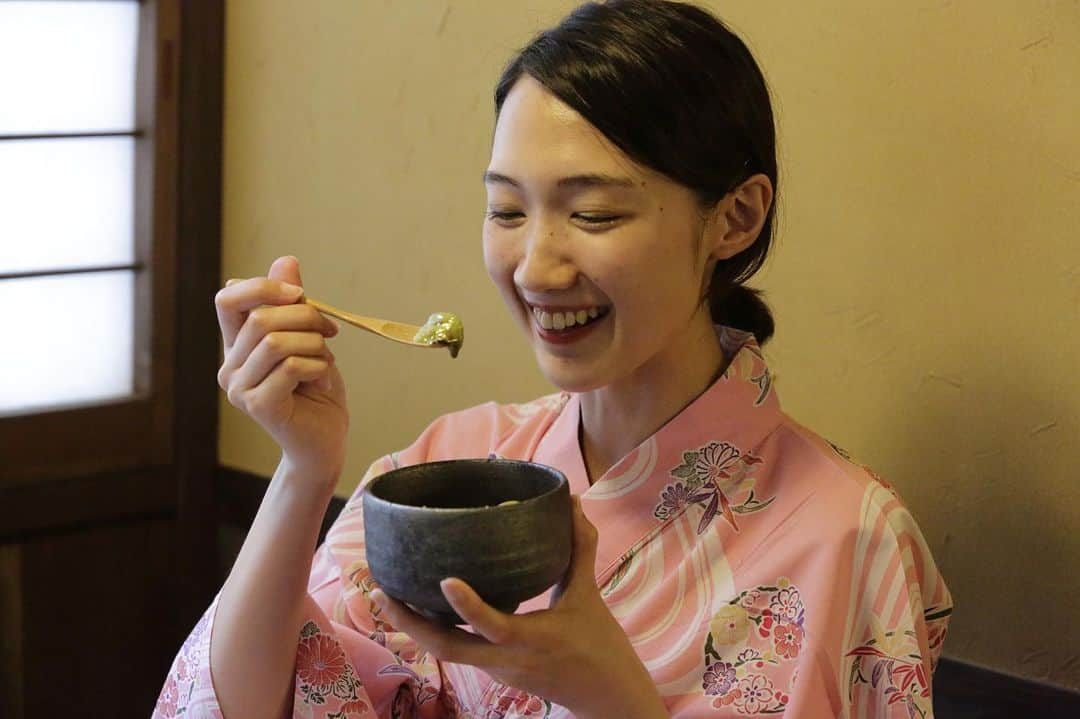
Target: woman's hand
<point>574,653</point>
<point>279,371</point>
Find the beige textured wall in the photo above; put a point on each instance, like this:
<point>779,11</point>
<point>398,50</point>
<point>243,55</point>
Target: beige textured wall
<point>926,282</point>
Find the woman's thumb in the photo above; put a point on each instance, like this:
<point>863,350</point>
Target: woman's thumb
<point>582,568</point>
<point>286,269</point>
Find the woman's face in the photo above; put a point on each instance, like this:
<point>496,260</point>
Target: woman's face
<point>599,259</point>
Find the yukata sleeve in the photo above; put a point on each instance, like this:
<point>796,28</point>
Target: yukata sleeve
<point>898,616</point>
<point>876,610</point>
<point>831,621</point>
<point>350,663</point>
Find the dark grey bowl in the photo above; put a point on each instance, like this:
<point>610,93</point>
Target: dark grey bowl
<point>431,521</point>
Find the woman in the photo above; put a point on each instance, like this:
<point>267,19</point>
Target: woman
<point>727,561</point>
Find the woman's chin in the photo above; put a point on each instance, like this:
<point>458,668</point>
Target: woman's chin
<point>569,375</point>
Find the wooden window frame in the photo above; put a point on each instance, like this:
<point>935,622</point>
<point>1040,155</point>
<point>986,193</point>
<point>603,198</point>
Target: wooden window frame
<point>135,431</point>
<point>155,454</point>
<point>130,484</point>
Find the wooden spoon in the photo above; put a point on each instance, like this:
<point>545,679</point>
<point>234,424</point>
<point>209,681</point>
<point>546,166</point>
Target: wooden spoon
<point>397,331</point>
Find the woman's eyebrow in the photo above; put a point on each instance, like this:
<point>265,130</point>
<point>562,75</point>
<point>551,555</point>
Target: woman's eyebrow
<point>595,180</point>
<point>573,181</point>
<point>493,178</point>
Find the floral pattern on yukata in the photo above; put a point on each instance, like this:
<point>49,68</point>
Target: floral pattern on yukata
<point>747,363</point>
<point>713,476</point>
<point>176,694</point>
<point>937,626</point>
<point>889,662</point>
<point>419,690</point>
<point>358,580</point>
<point>505,702</point>
<point>323,674</point>
<point>420,668</point>
<point>622,567</point>
<point>750,648</point>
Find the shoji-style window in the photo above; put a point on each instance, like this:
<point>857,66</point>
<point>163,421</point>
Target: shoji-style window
<point>67,191</point>
<point>87,231</point>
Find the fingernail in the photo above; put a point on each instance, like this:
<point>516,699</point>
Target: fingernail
<point>292,290</point>
<point>379,598</point>
<point>451,589</point>
<point>231,282</point>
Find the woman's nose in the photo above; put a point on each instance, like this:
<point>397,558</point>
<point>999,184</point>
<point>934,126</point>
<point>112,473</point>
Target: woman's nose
<point>545,264</point>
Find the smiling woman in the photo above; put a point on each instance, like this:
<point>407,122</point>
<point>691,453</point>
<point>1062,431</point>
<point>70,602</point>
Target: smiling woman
<point>726,559</point>
<point>575,224</point>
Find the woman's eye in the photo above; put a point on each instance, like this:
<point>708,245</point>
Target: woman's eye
<point>597,220</point>
<point>504,215</point>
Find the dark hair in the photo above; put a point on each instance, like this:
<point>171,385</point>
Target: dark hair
<point>678,92</point>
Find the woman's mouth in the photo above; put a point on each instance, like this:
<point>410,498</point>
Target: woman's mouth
<point>565,326</point>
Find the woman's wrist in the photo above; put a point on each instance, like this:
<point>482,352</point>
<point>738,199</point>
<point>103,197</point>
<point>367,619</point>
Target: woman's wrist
<point>631,699</point>
<point>319,482</point>
<point>651,710</point>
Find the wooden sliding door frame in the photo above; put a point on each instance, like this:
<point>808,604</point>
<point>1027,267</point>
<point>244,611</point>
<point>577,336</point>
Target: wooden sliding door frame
<point>153,455</point>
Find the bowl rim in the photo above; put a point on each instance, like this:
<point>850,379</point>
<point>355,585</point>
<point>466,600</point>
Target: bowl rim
<point>559,475</point>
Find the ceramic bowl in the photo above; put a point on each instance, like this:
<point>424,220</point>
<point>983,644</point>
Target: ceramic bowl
<point>430,521</point>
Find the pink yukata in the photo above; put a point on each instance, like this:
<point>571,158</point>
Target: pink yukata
<point>756,568</point>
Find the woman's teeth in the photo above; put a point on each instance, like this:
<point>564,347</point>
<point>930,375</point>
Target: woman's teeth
<point>564,320</point>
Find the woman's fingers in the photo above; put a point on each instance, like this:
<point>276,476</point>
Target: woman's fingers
<point>237,299</point>
<point>286,269</point>
<point>265,399</point>
<point>580,579</point>
<point>273,349</point>
<point>264,321</point>
<point>449,644</point>
<point>486,620</point>
<point>272,343</point>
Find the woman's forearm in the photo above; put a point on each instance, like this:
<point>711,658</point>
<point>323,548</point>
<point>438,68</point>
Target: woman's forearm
<point>634,697</point>
<point>260,610</point>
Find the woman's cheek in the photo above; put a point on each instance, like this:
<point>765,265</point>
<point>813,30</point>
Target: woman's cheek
<point>499,259</point>
<point>495,258</point>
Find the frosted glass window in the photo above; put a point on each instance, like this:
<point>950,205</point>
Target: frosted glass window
<point>70,342</point>
<point>66,203</point>
<point>67,66</point>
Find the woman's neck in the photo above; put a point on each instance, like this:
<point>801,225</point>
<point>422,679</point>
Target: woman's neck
<point>618,417</point>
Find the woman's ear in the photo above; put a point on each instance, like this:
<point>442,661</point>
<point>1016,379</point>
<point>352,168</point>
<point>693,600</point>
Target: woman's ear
<point>736,221</point>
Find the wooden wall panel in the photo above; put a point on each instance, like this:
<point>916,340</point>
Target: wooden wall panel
<point>99,627</point>
<point>10,633</point>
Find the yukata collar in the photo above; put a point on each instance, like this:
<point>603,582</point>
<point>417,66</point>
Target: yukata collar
<point>724,424</point>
